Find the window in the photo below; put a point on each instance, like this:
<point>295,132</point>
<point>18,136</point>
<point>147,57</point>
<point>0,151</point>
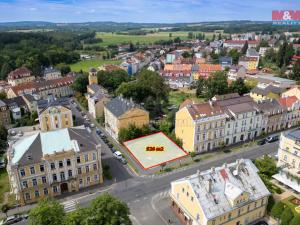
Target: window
<point>79,170</point>
<point>182,190</point>
<point>192,198</point>
<point>229,216</point>
<point>24,184</point>
<point>255,204</point>
<point>54,177</point>
<point>54,189</point>
<point>42,168</point>
<point>52,166</point>
<point>22,173</point>
<point>68,162</point>
<point>67,122</point>
<point>187,194</point>
<point>78,159</point>
<point>95,177</point>
<point>87,169</point>
<point>95,166</point>
<point>44,180</point>
<point>32,170</point>
<point>88,179</point>
<point>60,164</point>
<point>34,182</point>
<point>70,173</point>
<point>80,181</point>
<point>62,176</point>
<point>45,191</point>
<point>27,196</point>
<point>94,156</point>
<point>86,157</point>
<point>37,194</point>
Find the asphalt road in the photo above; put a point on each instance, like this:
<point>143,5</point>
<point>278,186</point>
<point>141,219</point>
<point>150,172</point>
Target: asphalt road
<point>138,192</point>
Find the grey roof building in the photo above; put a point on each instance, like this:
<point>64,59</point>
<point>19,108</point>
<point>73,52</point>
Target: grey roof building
<point>118,106</point>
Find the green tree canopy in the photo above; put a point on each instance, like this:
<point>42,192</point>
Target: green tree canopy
<point>266,166</point>
<point>295,75</point>
<point>295,220</point>
<point>286,216</point>
<point>47,212</point>
<point>80,84</point>
<point>132,132</point>
<point>239,86</point>
<point>112,80</point>
<point>217,84</point>
<point>277,210</point>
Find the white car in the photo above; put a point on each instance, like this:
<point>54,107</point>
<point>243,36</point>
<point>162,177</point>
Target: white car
<point>118,155</point>
<point>92,125</point>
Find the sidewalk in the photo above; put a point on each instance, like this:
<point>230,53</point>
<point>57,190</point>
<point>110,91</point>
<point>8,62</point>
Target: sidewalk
<point>107,185</point>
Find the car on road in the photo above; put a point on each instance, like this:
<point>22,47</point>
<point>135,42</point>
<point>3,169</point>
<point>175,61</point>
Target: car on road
<point>105,140</point>
<point>261,141</point>
<point>98,131</point>
<point>78,108</point>
<point>110,145</point>
<point>261,223</point>
<point>123,161</point>
<point>12,219</point>
<point>118,155</point>
<point>92,125</point>
<point>113,150</point>
<point>272,138</point>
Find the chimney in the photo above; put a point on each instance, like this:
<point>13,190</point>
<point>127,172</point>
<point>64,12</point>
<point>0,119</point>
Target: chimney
<point>213,170</point>
<point>208,184</point>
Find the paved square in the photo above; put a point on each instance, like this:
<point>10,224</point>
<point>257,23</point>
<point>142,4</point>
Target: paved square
<point>153,150</point>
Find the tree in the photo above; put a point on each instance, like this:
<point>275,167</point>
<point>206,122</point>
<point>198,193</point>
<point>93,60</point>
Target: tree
<point>4,209</point>
<point>107,210</point>
<point>77,217</point>
<point>296,71</point>
<point>217,84</point>
<point>201,87</point>
<point>3,137</point>
<point>170,35</point>
<point>64,68</point>
<point>271,203</point>
<point>80,84</point>
<point>277,210</point>
<point>112,80</point>
<point>266,166</point>
<point>5,69</point>
<point>131,47</point>
<point>286,216</point>
<point>234,54</point>
<point>47,212</point>
<point>177,40</point>
<point>190,35</point>
<point>239,86</point>
<point>132,132</point>
<point>186,54</point>
<point>245,48</point>
<point>3,95</point>
<point>295,220</point>
<point>220,36</point>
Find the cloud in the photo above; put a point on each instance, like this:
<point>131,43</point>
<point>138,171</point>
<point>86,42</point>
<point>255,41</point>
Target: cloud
<point>163,11</point>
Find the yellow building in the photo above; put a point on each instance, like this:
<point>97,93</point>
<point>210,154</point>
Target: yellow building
<point>265,92</point>
<point>289,159</point>
<point>20,76</point>
<point>93,76</point>
<point>232,194</point>
<point>52,163</point>
<point>97,97</point>
<point>120,113</point>
<point>54,114</point>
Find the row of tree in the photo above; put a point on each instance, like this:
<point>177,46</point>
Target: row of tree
<point>217,85</point>
<point>104,210</point>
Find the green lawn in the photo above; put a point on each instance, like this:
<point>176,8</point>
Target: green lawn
<point>4,184</point>
<point>85,65</point>
<point>177,97</point>
<point>287,202</point>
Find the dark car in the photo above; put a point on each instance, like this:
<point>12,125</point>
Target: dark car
<point>110,145</point>
<point>12,219</point>
<point>261,141</point>
<point>123,161</point>
<point>105,140</point>
<point>98,131</point>
<point>272,138</point>
<point>113,150</point>
<point>261,223</point>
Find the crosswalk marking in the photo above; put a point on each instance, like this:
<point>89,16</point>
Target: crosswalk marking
<point>69,206</point>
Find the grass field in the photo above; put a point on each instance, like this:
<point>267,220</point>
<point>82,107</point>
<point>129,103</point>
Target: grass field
<point>85,65</point>
<point>177,97</point>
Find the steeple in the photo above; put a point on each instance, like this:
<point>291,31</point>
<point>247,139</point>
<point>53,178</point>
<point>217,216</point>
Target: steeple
<point>93,76</point>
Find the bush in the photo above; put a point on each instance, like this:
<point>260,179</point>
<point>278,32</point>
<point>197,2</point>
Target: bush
<point>295,220</point>
<point>286,216</point>
<point>271,203</point>
<point>277,210</point>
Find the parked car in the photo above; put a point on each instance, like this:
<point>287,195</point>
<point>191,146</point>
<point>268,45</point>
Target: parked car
<point>105,140</point>
<point>261,141</point>
<point>12,219</point>
<point>92,125</point>
<point>113,150</point>
<point>2,163</point>
<point>110,145</point>
<point>272,138</point>
<point>118,155</point>
<point>24,216</point>
<point>261,223</point>
<point>123,161</point>
<point>20,134</point>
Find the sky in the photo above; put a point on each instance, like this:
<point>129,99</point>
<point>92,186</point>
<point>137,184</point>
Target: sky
<point>157,11</point>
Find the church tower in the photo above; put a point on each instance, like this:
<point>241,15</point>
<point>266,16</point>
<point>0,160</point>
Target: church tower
<point>93,76</point>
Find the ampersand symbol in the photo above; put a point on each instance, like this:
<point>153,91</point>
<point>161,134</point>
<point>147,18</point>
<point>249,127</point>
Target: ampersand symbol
<point>286,15</point>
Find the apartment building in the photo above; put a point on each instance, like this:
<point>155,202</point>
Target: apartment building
<point>226,195</point>
<point>60,87</point>
<point>51,73</point>
<point>52,163</point>
<point>289,159</point>
<point>265,92</point>
<point>224,120</point>
<point>120,113</point>
<point>54,114</point>
<point>5,119</point>
<point>20,76</point>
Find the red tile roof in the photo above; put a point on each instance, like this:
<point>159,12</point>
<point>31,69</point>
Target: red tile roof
<point>19,73</point>
<point>288,101</point>
<point>43,85</point>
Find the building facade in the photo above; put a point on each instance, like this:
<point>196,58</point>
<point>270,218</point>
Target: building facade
<point>20,76</point>
<point>51,73</point>
<point>5,119</point>
<point>121,113</point>
<point>289,159</point>
<point>54,114</point>
<point>224,120</point>
<point>232,194</point>
<point>39,167</point>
